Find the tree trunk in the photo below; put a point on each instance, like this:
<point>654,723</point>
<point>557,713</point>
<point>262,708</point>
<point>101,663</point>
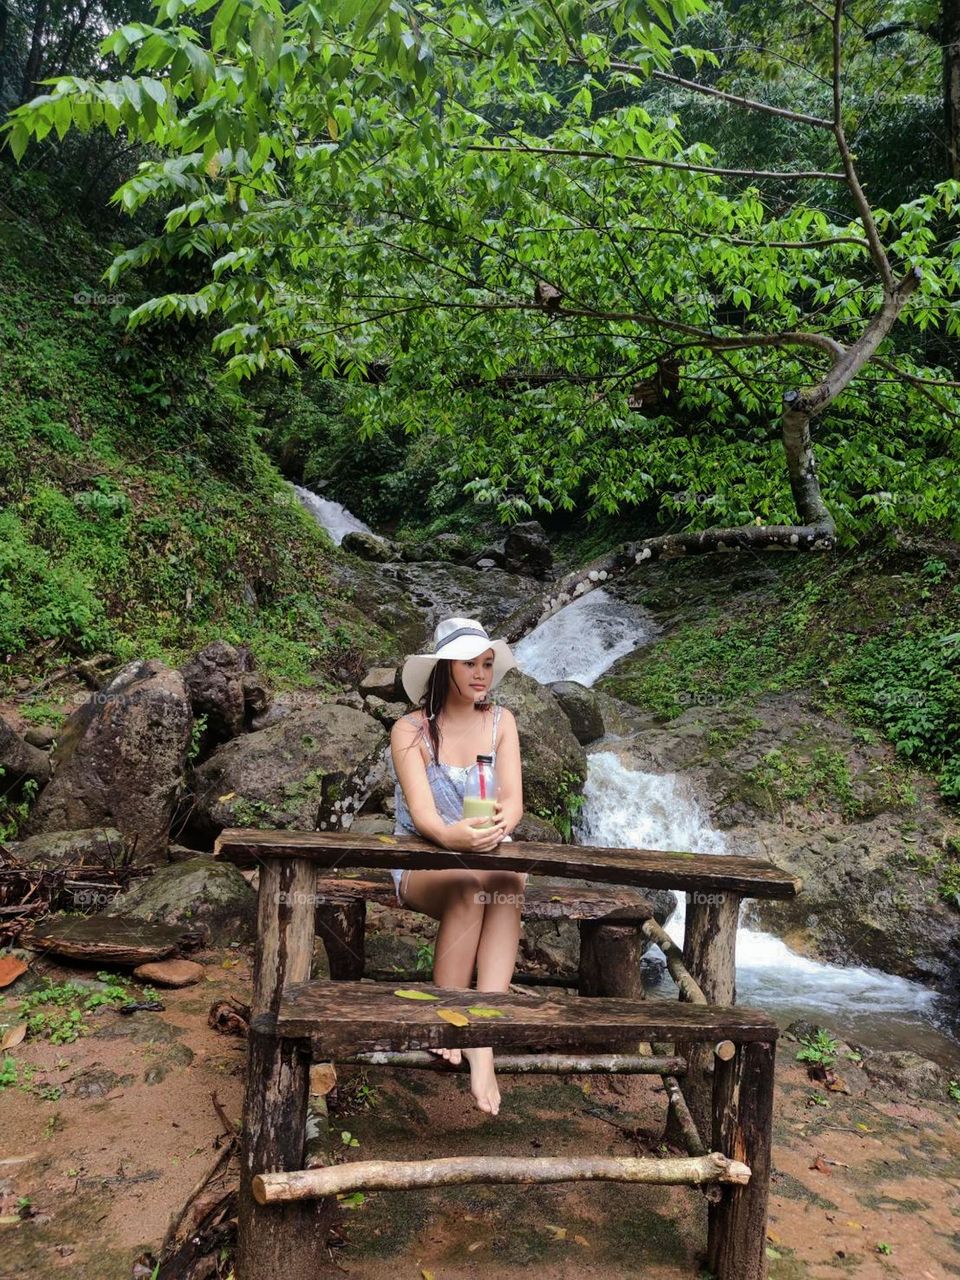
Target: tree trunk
<point>32,71</point>
<point>950,41</point>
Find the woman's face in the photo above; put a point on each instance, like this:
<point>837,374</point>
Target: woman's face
<point>472,677</point>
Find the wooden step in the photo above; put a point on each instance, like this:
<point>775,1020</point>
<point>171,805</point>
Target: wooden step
<point>643,868</point>
<point>540,902</point>
<point>364,1017</point>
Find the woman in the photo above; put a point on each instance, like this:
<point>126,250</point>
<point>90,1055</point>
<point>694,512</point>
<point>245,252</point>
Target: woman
<point>479,911</point>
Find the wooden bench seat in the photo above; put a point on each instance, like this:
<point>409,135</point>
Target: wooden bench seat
<point>608,918</point>
<point>367,1016</point>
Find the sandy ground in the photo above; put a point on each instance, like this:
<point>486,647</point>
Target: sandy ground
<point>106,1164</point>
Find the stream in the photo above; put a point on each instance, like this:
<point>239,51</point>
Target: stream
<point>627,808</point>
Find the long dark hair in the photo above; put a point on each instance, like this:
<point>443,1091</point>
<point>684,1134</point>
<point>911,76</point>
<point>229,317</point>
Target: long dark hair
<point>435,695</point>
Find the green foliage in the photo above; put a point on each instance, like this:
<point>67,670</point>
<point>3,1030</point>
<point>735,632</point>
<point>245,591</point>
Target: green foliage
<point>819,1048</point>
<point>568,805</point>
<point>380,193</point>
<point>883,651</point>
<point>57,1011</point>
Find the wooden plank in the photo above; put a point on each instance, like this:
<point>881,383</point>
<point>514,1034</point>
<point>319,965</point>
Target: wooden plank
<point>709,954</point>
<point>359,1017</point>
<point>644,868</point>
<point>529,1064</point>
<point>540,902</point>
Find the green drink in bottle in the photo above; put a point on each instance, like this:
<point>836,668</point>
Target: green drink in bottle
<point>479,790</point>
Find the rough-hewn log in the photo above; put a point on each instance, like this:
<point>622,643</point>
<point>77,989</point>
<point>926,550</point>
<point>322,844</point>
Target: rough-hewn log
<point>610,960</point>
<point>742,1117</point>
<point>289,1240</point>
<point>523,1064</point>
<point>645,868</point>
<point>689,988</point>
<point>103,939</point>
<point>692,1140</point>
<point>408,1175</point>
<point>709,953</point>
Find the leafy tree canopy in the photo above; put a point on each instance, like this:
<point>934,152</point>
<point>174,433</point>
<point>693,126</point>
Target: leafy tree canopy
<point>497,224</point>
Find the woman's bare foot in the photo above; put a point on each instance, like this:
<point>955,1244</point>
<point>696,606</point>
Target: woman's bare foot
<point>450,1055</point>
<point>483,1080</point>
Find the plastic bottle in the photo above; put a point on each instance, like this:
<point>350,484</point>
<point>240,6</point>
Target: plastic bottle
<point>479,791</point>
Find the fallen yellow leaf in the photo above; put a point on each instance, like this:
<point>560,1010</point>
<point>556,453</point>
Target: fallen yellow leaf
<point>558,1233</point>
<point>13,1035</point>
<point>228,796</point>
<point>582,1241</point>
<point>453,1017</point>
<point>483,1012</point>
<point>406,994</point>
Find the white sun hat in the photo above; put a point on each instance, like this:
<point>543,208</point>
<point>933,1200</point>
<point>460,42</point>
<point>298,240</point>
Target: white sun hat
<point>461,638</point>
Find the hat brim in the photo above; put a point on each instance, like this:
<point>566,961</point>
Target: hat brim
<point>417,668</point>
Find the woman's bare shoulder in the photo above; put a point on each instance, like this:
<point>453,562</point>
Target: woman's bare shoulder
<point>507,716</point>
<point>406,729</point>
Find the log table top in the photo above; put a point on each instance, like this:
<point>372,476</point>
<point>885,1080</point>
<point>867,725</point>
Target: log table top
<point>643,868</point>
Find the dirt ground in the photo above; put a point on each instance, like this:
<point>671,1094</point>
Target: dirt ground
<point>865,1185</point>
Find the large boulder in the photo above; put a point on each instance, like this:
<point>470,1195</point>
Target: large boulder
<point>120,760</point>
<point>19,760</point>
<point>304,772</point>
<point>368,546</point>
<point>441,590</point>
<point>907,1074</point>
<point>526,550</point>
<point>224,686</point>
<point>202,893</point>
<point>100,846</point>
<point>554,762</point>
<point>581,706</point>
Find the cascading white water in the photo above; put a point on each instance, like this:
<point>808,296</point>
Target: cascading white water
<point>334,517</point>
<point>629,808</point>
<point>584,639</point>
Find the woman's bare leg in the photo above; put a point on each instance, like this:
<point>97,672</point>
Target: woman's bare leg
<point>454,898</point>
<point>496,960</point>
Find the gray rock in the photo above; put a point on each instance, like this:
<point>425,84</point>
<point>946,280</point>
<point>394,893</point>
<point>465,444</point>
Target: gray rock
<point>201,892</point>
<point>581,707</point>
<point>120,760</point>
<point>99,846</point>
<point>224,686</point>
<point>19,759</point>
<point>42,736</point>
<point>369,546</point>
<point>440,590</point>
<point>527,550</point>
<point>907,1073</point>
<point>486,563</point>
<point>554,762</point>
<point>372,824</point>
<point>382,682</point>
<point>537,830</point>
<point>492,555</point>
<point>307,769</point>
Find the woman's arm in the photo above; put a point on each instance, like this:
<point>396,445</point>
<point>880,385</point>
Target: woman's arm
<point>412,776</point>
<point>509,771</point>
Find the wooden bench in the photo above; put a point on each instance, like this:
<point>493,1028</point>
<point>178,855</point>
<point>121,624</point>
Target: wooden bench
<point>719,1080</point>
<point>610,922</point>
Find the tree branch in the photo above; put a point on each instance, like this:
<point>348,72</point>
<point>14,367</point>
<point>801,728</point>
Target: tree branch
<point>785,176</point>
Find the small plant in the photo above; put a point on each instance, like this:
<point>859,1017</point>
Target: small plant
<point>953,1090</point>
<point>425,957</point>
<point>818,1100</point>
<point>819,1049</point>
<point>882,1247</point>
<point>347,1138</point>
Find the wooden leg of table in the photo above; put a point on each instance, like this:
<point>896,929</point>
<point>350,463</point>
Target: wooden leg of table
<point>290,1242</point>
<point>610,960</point>
<point>742,1123</point>
<point>709,955</point>
<point>341,927</point>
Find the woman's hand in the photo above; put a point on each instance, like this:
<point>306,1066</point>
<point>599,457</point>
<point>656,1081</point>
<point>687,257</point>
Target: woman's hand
<point>472,835</point>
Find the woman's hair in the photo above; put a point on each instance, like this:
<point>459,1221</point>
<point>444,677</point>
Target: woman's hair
<point>435,695</point>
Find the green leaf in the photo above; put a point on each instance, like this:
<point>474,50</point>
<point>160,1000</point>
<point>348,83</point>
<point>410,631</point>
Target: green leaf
<point>482,1011</point>
<point>406,994</point>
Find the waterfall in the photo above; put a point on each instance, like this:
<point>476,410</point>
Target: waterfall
<point>628,808</point>
<point>584,639</point>
<point>334,517</point>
